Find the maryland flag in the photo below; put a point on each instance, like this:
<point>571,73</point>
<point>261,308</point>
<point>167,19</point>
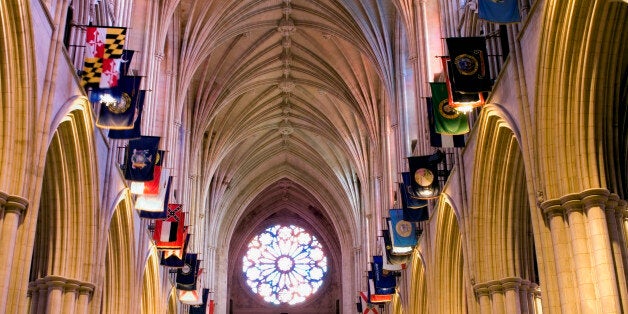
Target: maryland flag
<point>103,55</point>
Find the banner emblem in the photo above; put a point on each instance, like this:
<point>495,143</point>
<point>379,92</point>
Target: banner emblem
<point>403,228</point>
<point>141,158</point>
<point>466,64</point>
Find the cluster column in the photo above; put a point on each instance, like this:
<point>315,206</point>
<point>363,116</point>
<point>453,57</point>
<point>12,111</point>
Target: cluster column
<point>12,209</point>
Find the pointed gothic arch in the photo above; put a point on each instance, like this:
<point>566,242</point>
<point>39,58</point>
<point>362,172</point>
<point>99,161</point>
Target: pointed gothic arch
<point>120,290</point>
<point>66,233</point>
<point>504,261</point>
<point>448,274</point>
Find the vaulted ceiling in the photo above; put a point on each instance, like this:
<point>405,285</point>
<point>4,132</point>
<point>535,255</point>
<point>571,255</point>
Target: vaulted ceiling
<point>290,89</point>
<point>286,101</point>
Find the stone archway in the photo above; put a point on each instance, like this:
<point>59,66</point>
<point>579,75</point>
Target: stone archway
<point>121,289</point>
<point>503,253</point>
<point>63,269</point>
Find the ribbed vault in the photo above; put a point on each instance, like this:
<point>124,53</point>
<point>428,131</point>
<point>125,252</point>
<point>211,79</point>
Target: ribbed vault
<point>282,95</point>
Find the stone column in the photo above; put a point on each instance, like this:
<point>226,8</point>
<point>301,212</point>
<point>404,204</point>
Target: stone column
<point>562,255</point>
<point>54,303</point>
<point>614,208</point>
<point>32,296</point>
<point>599,241</point>
<point>580,253</point>
<point>511,292</point>
<point>483,295</point>
<point>497,295</point>
<point>70,290</point>
<point>56,294</point>
<point>14,208</point>
<point>524,296</point>
<point>85,292</point>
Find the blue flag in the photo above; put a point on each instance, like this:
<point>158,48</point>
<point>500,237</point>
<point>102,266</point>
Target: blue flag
<point>403,233</point>
<point>117,106</point>
<point>385,281</point>
<point>134,132</point>
<point>186,276</point>
<point>373,296</point>
<point>499,11</point>
<point>141,156</point>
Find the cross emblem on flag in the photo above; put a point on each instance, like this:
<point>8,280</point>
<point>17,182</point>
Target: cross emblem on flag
<point>172,213</point>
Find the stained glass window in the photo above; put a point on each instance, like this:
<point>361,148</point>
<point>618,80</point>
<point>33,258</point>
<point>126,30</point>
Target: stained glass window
<point>284,264</point>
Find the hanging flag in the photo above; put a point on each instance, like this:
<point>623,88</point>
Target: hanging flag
<point>499,11</point>
<point>395,258</point>
<point>424,174</point>
<point>439,139</point>
<point>135,132</point>
<point>447,120</point>
<point>125,61</point>
<point>387,264</point>
<point>203,307</point>
<point>175,258</point>
<point>385,281</point>
<point>103,53</point>
<point>470,71</point>
<point>364,306</point>
<point>114,42</point>
<point>402,233</point>
<point>95,38</point>
<point>140,158</point>
<point>373,296</point>
<point>157,204</point>
<point>186,276</point>
<point>92,70</point>
<point>117,107</point>
<point>150,187</point>
<point>193,297</point>
<point>169,232</point>
<point>414,208</point>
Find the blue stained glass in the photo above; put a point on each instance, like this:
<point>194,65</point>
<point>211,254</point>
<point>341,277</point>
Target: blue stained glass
<point>284,265</point>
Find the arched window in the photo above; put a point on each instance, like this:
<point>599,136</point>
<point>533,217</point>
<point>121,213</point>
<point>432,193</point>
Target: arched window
<point>284,264</point>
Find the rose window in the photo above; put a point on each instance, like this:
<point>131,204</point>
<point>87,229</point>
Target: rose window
<point>284,265</point>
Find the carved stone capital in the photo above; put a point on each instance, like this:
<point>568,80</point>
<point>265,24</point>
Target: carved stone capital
<point>552,208</point>
<point>16,204</point>
<point>595,197</point>
<point>571,202</point>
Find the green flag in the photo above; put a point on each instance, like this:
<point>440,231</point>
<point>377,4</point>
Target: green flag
<point>446,119</point>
